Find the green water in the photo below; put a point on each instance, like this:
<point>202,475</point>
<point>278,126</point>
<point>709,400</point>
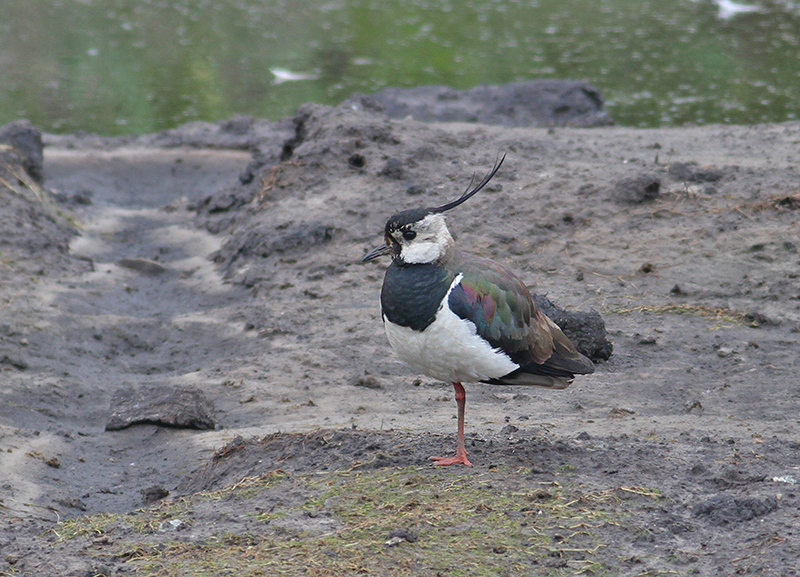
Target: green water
<point>136,66</point>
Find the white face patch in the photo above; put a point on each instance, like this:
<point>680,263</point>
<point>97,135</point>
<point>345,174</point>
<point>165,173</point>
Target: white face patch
<point>431,243</point>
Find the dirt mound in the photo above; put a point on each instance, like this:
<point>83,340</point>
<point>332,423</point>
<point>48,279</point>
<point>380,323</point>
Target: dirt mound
<point>541,102</point>
<point>677,454</point>
<point>34,231</point>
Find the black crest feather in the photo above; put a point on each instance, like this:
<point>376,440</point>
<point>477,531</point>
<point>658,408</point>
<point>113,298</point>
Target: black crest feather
<point>470,190</point>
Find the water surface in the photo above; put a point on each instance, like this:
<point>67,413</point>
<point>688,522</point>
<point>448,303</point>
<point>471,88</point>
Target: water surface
<point>135,66</point>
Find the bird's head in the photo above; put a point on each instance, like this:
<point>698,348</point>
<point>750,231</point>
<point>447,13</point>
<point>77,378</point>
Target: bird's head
<point>420,235</point>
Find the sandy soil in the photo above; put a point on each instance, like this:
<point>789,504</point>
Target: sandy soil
<point>265,306</point>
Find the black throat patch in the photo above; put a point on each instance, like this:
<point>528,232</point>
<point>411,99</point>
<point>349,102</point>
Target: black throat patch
<point>412,293</point>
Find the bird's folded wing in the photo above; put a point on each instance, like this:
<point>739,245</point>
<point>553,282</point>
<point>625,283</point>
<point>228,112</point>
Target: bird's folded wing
<point>503,311</point>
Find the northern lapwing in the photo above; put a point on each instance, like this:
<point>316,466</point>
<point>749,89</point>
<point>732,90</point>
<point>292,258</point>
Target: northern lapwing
<point>457,317</point>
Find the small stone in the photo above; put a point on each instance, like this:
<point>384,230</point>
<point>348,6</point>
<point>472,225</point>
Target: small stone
<point>725,352</point>
<point>638,189</point>
<point>647,268</point>
<point>393,169</point>
<point>171,525</point>
<point>397,537</point>
<point>357,161</point>
<point>698,469</point>
<point>366,380</point>
<point>72,503</point>
<point>693,407</point>
<point>509,430</point>
<point>174,406</point>
<point>620,413</point>
<point>153,494</point>
<point>142,265</point>
<point>586,330</point>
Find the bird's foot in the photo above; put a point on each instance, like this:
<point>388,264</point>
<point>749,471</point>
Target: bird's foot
<point>460,457</point>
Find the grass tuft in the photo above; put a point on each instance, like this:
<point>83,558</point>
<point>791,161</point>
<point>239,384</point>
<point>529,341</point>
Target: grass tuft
<point>451,522</point>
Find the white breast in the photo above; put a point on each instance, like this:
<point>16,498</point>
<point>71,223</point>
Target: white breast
<point>449,349</point>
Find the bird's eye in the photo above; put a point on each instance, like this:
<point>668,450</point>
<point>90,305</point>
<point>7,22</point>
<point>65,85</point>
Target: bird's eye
<point>409,234</point>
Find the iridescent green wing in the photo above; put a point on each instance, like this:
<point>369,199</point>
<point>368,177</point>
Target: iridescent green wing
<point>503,311</point>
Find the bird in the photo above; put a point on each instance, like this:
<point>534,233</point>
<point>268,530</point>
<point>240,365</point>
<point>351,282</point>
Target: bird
<point>458,317</point>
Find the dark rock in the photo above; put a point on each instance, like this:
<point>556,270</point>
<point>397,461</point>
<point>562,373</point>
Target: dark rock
<point>396,537</point>
<point>723,510</point>
<point>541,102</point>
<point>791,202</point>
<point>27,141</point>
<point>393,169</point>
<point>153,494</point>
<point>759,319</point>
<point>586,330</point>
<point>72,503</point>
<point>172,406</point>
<point>357,161</point>
<point>698,469</point>
<point>638,189</point>
<point>142,265</point>
<point>366,380</point>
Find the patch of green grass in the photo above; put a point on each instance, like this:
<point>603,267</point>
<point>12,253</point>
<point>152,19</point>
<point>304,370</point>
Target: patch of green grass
<point>149,520</point>
<point>92,525</point>
<point>466,523</point>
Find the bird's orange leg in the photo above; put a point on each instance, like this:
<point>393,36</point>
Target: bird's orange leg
<point>461,451</point>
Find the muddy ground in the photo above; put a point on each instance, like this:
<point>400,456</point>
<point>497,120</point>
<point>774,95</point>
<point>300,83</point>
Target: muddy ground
<point>263,305</point>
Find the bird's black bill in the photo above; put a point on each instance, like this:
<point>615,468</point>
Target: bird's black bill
<point>471,191</point>
<point>376,252</point>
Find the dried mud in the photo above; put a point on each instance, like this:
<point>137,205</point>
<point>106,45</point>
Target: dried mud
<point>684,239</point>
